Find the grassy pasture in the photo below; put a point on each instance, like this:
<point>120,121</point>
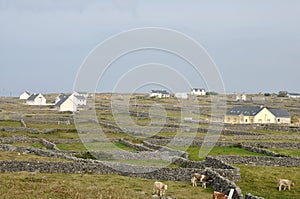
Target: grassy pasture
<point>44,185</point>
<point>217,151</point>
<point>262,181</point>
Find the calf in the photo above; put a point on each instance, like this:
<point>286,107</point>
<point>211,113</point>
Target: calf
<point>159,188</point>
<point>219,195</point>
<point>196,177</point>
<point>285,183</point>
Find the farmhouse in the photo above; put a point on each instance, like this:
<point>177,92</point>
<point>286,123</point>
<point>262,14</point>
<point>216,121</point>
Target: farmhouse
<point>65,104</point>
<point>181,95</point>
<point>160,93</point>
<point>198,91</point>
<point>79,100</point>
<point>293,95</point>
<point>24,96</point>
<point>257,115</point>
<point>36,99</point>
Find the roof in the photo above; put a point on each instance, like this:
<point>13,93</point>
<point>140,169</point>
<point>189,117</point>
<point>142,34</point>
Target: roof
<point>62,98</point>
<point>32,97</point>
<point>245,110</point>
<point>80,97</point>
<point>160,91</point>
<point>26,92</point>
<point>202,89</point>
<point>280,112</point>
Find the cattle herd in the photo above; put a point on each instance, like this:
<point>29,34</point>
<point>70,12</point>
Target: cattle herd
<point>159,188</point>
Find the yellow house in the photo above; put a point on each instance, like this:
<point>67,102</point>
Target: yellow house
<point>256,115</point>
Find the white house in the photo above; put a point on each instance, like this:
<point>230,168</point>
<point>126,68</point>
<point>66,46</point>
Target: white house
<point>160,93</point>
<point>198,91</point>
<point>181,95</point>
<point>78,99</point>
<point>241,97</point>
<point>25,95</point>
<point>36,99</point>
<point>65,104</point>
<point>293,95</point>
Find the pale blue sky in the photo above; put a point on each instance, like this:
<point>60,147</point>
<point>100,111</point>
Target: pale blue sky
<point>255,44</point>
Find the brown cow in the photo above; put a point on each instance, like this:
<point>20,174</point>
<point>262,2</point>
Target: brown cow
<point>219,195</point>
<point>196,177</point>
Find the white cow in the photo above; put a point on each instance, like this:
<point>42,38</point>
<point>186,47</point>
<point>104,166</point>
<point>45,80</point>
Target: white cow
<point>159,188</point>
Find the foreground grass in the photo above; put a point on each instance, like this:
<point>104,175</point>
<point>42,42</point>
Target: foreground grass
<point>44,185</point>
<point>262,181</point>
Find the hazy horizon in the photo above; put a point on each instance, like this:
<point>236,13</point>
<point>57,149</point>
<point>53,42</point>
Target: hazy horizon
<point>254,44</point>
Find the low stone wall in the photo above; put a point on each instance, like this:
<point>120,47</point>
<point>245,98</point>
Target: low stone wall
<point>218,166</point>
<point>199,142</point>
<point>138,147</point>
<point>172,152</point>
<point>25,139</point>
<point>259,150</point>
<point>250,196</point>
<point>270,127</point>
<point>261,160</point>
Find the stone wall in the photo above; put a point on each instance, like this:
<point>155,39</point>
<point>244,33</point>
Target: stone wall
<point>172,152</point>
<point>25,139</point>
<point>138,147</point>
<point>261,160</point>
<point>270,127</point>
<point>250,196</point>
<point>218,166</point>
<point>199,142</point>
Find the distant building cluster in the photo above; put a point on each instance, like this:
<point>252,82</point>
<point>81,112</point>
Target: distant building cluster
<point>63,102</point>
<point>182,95</point>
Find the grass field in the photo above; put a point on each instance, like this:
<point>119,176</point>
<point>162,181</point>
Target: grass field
<point>262,181</point>
<point>217,151</point>
<point>85,186</point>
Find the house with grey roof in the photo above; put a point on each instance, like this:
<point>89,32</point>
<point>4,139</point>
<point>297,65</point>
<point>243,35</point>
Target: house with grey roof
<point>256,115</point>
<point>25,95</point>
<point>36,99</point>
<point>65,103</point>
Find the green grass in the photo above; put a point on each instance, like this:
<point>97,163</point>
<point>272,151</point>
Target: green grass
<point>9,123</point>
<point>7,155</point>
<point>35,145</point>
<point>93,146</point>
<point>218,151</point>
<point>50,126</point>
<point>55,135</point>
<point>262,181</point>
<point>45,185</point>
<point>291,152</point>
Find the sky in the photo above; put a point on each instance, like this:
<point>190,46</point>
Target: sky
<point>254,44</point>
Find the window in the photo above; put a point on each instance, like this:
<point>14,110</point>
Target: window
<point>228,119</point>
<point>278,120</point>
<point>234,119</point>
<point>246,120</point>
<point>251,120</point>
<point>268,121</point>
<point>259,120</point>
